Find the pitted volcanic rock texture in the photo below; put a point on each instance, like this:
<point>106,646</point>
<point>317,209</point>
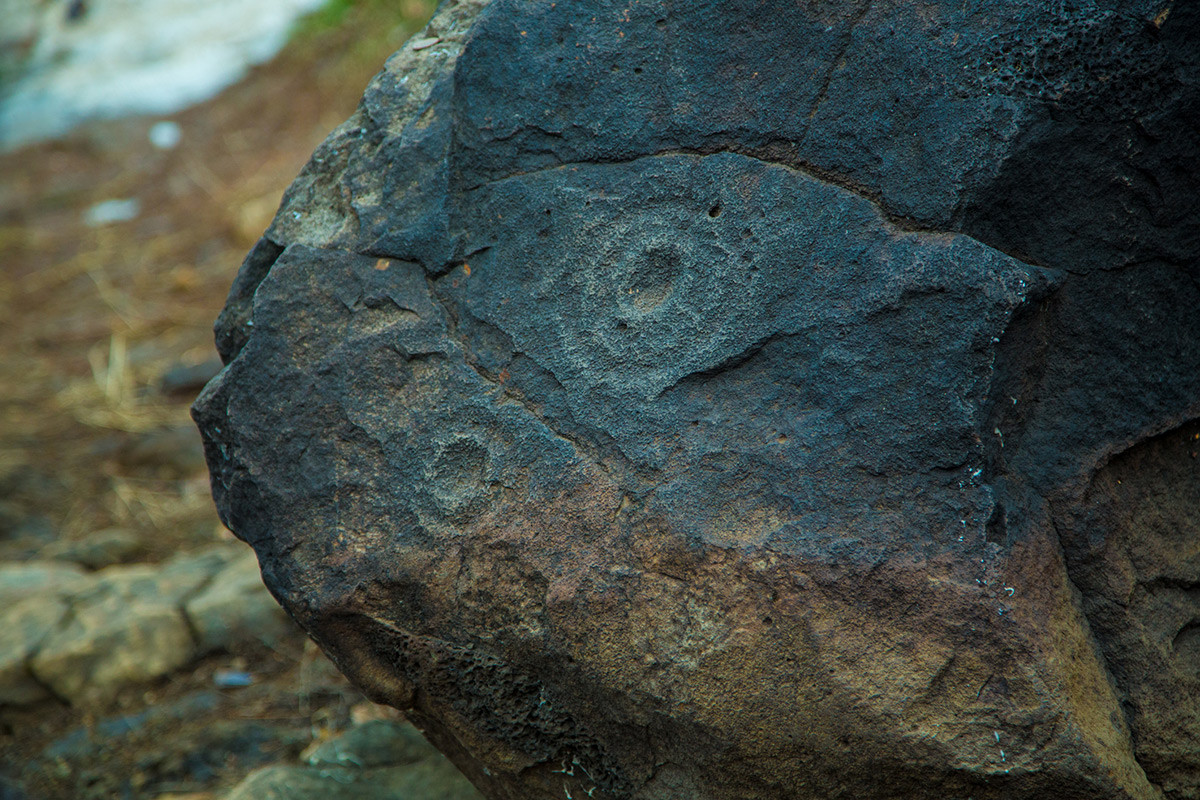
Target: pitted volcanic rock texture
<point>744,399</point>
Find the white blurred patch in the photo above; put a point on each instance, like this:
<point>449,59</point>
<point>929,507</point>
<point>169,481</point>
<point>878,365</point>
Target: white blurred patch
<point>109,58</point>
<point>110,211</point>
<point>165,135</point>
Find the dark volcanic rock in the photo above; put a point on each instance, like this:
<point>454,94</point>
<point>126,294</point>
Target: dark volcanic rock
<point>747,399</point>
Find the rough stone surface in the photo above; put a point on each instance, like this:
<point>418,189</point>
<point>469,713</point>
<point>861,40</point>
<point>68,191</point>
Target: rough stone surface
<point>81,636</point>
<point>19,581</point>
<point>746,399</point>
<point>377,743</point>
<point>234,607</point>
<point>98,550</point>
<point>127,627</point>
<point>32,603</point>
<point>377,760</point>
<point>23,628</point>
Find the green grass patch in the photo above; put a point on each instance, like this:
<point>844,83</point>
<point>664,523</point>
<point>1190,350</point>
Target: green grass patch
<point>408,15</point>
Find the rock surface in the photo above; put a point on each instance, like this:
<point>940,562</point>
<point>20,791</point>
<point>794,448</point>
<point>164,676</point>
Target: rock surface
<point>746,399</point>
<point>378,760</point>
<point>101,549</point>
<point>81,637</point>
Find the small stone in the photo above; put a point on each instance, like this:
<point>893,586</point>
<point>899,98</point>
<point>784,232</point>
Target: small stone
<point>189,378</point>
<point>185,575</point>
<point>31,606</point>
<point>47,578</point>
<point>236,606</point>
<point>109,212</point>
<point>10,517</point>
<point>174,452</point>
<point>101,549</point>
<point>377,759</point>
<point>23,627</point>
<point>367,711</point>
<point>427,780</point>
<point>21,528</point>
<point>379,743</point>
<point>126,627</point>
<point>90,740</point>
<point>233,679</point>
<point>112,641</point>
<point>11,790</point>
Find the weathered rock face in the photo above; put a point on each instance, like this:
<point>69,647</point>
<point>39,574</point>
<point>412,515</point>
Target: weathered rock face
<point>747,399</point>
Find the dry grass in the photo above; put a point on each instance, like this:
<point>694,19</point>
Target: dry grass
<point>95,316</point>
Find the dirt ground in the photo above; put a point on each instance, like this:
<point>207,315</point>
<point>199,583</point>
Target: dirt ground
<point>107,333</point>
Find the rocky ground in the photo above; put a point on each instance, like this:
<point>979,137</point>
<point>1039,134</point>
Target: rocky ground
<point>140,655</point>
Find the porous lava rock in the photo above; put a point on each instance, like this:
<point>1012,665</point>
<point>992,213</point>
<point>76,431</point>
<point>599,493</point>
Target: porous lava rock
<point>746,399</point>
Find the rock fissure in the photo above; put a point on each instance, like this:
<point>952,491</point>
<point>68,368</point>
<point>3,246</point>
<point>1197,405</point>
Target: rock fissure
<point>192,628</point>
<point>1171,424</point>
<point>770,154</point>
<point>864,6</point>
<point>1108,669</point>
<point>730,363</point>
<point>181,608</point>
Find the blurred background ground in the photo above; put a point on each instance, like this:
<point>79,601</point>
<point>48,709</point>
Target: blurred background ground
<point>107,339</point>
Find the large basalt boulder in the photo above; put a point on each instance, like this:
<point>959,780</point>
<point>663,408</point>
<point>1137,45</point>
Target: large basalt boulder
<point>748,399</point>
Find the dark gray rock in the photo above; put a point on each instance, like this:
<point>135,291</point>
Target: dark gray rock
<point>112,732</point>
<point>172,452</point>
<point>11,790</point>
<point>746,399</point>
<point>188,379</point>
